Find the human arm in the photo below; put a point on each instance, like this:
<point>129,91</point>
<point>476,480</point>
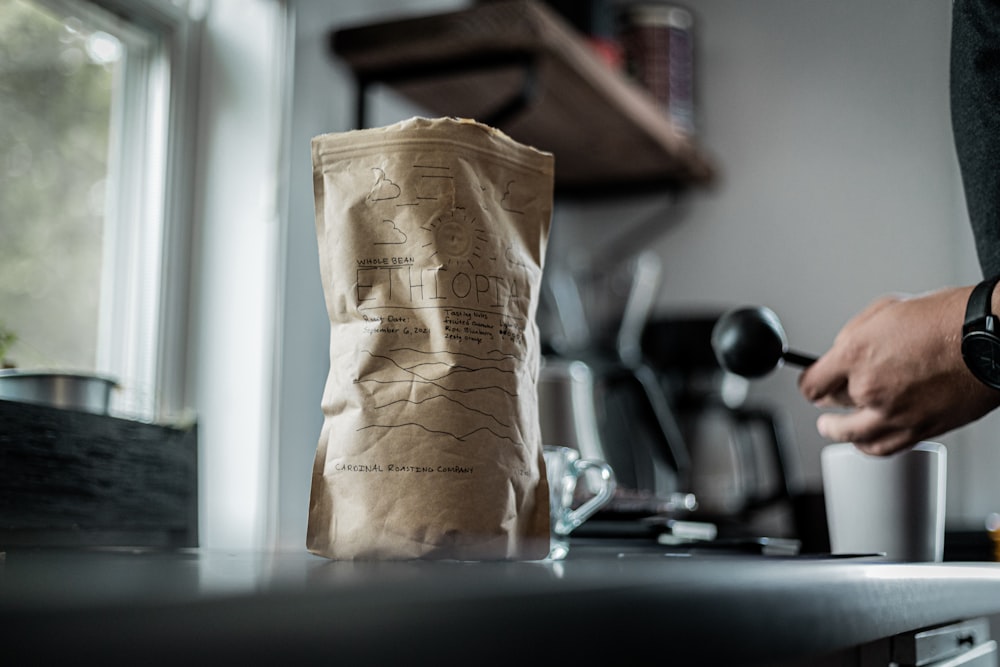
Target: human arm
<point>897,370</point>
<point>975,119</point>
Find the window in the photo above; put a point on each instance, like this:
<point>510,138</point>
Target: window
<point>92,234</point>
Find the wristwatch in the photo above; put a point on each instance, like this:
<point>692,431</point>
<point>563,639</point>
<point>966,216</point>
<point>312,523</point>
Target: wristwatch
<point>980,335</point>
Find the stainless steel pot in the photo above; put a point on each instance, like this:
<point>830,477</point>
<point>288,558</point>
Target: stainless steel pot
<point>72,391</point>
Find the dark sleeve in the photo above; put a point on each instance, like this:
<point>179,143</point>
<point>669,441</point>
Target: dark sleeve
<point>975,117</point>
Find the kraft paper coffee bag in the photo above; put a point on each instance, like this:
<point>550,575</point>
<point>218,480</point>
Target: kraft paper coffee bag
<point>431,238</point>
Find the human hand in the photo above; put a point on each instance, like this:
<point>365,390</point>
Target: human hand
<point>897,367</point>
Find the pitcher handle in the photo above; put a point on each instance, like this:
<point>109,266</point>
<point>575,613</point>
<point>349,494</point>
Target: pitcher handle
<point>608,486</point>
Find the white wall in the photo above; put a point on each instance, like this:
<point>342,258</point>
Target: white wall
<point>838,183</point>
<point>235,264</point>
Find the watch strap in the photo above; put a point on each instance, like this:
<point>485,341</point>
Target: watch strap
<point>980,304</point>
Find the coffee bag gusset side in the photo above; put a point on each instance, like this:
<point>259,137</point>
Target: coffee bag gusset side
<point>431,238</point>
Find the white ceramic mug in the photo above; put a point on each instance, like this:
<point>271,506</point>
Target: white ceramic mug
<point>563,470</point>
<point>893,505</point>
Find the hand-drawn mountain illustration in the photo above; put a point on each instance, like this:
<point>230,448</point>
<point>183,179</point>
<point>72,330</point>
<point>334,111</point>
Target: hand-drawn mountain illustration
<point>464,397</point>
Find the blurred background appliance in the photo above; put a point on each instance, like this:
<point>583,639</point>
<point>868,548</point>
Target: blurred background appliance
<point>596,392</point>
<point>649,397</point>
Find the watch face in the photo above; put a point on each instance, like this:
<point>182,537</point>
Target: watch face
<point>981,351</point>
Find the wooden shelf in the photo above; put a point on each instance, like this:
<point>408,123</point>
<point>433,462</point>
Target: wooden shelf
<point>607,134</point>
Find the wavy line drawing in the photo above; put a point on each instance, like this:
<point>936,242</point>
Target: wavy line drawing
<point>452,374</point>
<point>453,369</point>
<point>447,398</point>
<point>456,369</point>
<point>441,387</point>
<point>406,378</point>
<point>481,360</point>
<point>429,430</point>
<point>503,355</point>
<point>460,438</point>
<point>488,430</point>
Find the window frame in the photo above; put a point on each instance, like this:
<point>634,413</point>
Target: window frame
<point>143,323</point>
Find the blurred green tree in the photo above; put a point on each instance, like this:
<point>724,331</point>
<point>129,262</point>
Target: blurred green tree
<point>55,120</point>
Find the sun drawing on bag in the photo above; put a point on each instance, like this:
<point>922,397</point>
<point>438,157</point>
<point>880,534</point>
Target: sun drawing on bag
<point>456,241</point>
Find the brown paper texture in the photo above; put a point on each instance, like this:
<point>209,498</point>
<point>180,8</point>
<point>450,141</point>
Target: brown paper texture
<point>431,239</point>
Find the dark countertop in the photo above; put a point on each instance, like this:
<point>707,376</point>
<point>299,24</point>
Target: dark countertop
<point>114,606</point>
